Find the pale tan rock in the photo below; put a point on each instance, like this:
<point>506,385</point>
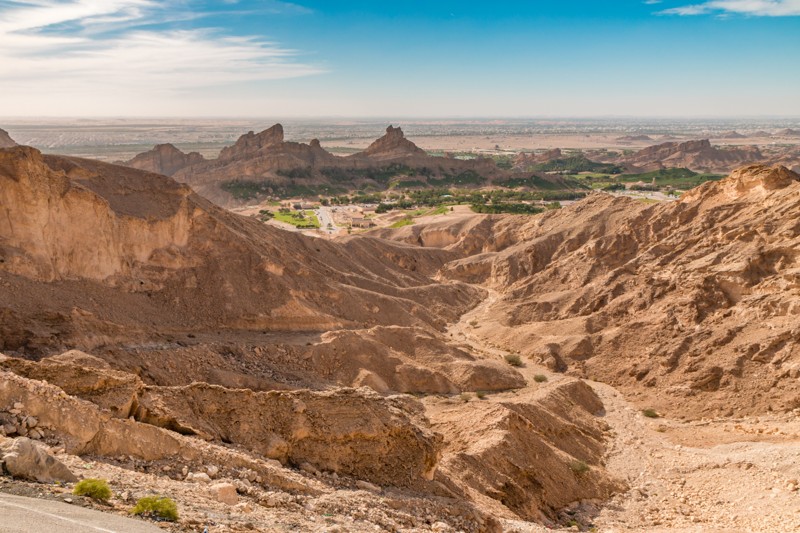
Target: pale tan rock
<point>224,493</point>
<point>25,459</point>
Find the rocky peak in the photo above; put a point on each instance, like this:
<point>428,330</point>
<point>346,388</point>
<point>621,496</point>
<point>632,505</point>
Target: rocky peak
<point>5,140</point>
<point>744,180</point>
<point>164,159</point>
<point>253,142</point>
<point>394,142</point>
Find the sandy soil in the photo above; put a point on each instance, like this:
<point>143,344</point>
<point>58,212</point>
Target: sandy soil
<point>721,475</point>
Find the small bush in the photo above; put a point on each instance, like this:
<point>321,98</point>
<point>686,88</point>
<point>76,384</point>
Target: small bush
<point>539,378</point>
<point>578,467</point>
<point>514,359</point>
<point>96,489</point>
<point>651,413</point>
<point>473,323</point>
<point>465,397</point>
<point>157,508</point>
<point>480,394</point>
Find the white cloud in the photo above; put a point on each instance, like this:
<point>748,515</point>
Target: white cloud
<point>756,8</point>
<point>65,53</point>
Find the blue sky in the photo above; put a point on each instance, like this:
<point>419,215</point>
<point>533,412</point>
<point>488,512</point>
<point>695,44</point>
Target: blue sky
<point>265,58</point>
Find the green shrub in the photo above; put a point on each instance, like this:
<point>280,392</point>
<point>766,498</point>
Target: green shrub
<point>539,378</point>
<point>651,413</point>
<point>465,397</point>
<point>158,508</point>
<point>480,394</point>
<point>514,359</point>
<point>578,467</point>
<point>96,489</point>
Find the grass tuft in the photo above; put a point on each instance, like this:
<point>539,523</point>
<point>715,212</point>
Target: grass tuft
<point>157,508</point>
<point>96,489</point>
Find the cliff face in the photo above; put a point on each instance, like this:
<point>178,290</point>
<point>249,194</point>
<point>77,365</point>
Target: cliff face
<point>5,140</point>
<point>164,159</point>
<point>57,226</point>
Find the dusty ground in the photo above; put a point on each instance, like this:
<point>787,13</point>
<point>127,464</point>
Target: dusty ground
<point>716,475</point>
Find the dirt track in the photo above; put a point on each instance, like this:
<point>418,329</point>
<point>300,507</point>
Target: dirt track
<point>722,475</point>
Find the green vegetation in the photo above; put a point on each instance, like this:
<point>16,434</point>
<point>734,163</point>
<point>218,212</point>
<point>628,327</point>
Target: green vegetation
<point>405,221</point>
<point>651,413</point>
<point>481,395</point>
<point>555,183</point>
<point>157,508</point>
<point>540,378</point>
<point>513,359</point>
<point>468,177</point>
<point>96,489</point>
<point>578,467</point>
<point>577,163</point>
<point>299,219</point>
<point>670,178</point>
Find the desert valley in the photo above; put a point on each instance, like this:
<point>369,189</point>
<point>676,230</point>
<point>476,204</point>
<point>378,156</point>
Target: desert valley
<point>297,266</point>
<point>616,363</point>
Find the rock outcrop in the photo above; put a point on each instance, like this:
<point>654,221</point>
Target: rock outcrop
<point>349,431</point>
<point>5,140</point>
<point>392,145</point>
<point>252,143</point>
<point>164,159</point>
<point>273,166</point>
<point>26,459</point>
<point>695,155</point>
<point>691,304</point>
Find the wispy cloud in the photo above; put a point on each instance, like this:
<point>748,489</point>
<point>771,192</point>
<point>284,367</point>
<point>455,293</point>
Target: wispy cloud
<point>131,49</point>
<point>756,8</point>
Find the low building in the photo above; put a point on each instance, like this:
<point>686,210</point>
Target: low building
<point>356,222</point>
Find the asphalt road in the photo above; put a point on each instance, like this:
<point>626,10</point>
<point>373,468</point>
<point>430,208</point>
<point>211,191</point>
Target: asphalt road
<point>31,515</point>
<point>325,217</point>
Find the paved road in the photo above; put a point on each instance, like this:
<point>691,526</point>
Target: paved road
<point>31,515</point>
<point>325,217</point>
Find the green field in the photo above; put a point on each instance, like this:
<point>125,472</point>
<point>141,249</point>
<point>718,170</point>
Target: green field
<point>299,219</point>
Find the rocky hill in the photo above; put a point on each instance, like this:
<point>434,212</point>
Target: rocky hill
<point>260,164</point>
<point>164,159</point>
<point>5,140</point>
<point>694,155</point>
<point>687,306</point>
<point>194,315</point>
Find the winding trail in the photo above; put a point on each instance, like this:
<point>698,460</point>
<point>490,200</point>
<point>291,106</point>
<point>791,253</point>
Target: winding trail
<point>709,476</point>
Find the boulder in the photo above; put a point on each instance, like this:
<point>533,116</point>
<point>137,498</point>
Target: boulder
<point>26,459</point>
<point>224,493</point>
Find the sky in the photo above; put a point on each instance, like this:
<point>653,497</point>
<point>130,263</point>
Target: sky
<point>413,58</point>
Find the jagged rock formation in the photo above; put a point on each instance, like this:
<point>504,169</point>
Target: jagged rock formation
<point>5,140</point>
<point>392,145</point>
<point>164,159</point>
<point>272,164</point>
<point>690,305</point>
<point>694,155</point>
